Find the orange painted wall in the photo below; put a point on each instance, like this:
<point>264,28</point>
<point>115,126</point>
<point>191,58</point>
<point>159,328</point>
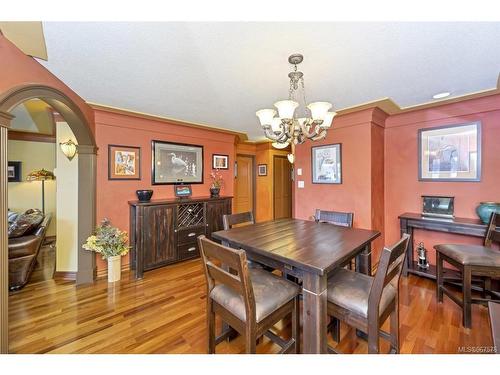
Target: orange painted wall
<point>403,190</point>
<point>17,69</point>
<point>112,196</point>
<point>362,172</point>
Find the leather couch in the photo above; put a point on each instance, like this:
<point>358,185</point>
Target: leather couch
<point>23,252</point>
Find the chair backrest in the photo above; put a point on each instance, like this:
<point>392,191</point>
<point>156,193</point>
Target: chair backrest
<point>388,271</point>
<point>242,218</point>
<point>493,231</point>
<point>217,260</point>
<point>344,219</point>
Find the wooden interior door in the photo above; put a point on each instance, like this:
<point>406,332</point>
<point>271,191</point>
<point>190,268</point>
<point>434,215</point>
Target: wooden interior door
<point>244,189</point>
<point>282,175</point>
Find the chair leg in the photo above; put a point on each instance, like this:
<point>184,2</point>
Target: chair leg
<point>395,329</point>
<point>373,339</point>
<point>296,325</point>
<point>250,340</point>
<point>439,276</point>
<point>466,291</point>
<point>334,328</point>
<point>487,288</point>
<point>210,327</point>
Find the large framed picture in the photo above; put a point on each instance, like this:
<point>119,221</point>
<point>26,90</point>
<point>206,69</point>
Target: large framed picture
<point>220,161</point>
<point>450,153</point>
<point>124,162</point>
<point>327,164</point>
<point>14,171</point>
<point>176,163</point>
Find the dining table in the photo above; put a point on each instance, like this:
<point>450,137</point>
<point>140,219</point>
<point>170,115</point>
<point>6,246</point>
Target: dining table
<point>308,251</point>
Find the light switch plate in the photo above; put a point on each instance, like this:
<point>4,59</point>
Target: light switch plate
<point>299,171</point>
<point>301,184</point>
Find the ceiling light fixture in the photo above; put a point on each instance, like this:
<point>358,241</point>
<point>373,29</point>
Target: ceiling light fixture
<point>441,95</point>
<point>288,127</point>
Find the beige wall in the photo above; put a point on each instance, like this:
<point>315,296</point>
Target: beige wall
<point>67,204</point>
<point>24,195</point>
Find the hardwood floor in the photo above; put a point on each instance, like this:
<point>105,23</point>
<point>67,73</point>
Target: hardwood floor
<point>165,313</point>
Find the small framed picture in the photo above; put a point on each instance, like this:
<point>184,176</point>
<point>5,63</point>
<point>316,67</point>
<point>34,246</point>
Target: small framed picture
<point>262,169</point>
<point>183,191</point>
<point>220,161</point>
<point>450,153</point>
<point>124,162</point>
<point>14,171</point>
<point>327,164</point>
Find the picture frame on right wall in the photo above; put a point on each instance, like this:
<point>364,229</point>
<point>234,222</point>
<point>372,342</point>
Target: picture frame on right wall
<point>327,164</point>
<point>450,153</point>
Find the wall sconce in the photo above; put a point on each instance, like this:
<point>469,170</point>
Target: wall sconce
<point>291,158</point>
<point>69,149</point>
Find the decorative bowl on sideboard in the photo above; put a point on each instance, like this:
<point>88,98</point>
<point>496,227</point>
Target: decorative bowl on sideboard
<point>485,209</point>
<point>144,195</point>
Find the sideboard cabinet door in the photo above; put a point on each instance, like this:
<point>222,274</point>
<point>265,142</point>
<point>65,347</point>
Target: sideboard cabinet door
<point>159,244</point>
<point>215,210</point>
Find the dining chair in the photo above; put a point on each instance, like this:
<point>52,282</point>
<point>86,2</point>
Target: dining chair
<point>344,219</point>
<point>229,220</point>
<point>250,301</point>
<point>471,260</point>
<point>365,302</point>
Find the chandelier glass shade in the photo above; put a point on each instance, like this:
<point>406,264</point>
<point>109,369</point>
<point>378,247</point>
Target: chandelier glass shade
<point>283,126</point>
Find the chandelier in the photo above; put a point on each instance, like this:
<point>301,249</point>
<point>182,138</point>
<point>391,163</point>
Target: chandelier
<point>288,127</point>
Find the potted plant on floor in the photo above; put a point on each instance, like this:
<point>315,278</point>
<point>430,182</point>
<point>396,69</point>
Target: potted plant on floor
<point>111,243</point>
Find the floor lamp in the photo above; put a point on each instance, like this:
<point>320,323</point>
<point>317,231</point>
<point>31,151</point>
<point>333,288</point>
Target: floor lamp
<point>41,175</point>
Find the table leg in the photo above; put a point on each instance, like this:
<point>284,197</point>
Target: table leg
<point>364,260</point>
<point>314,314</point>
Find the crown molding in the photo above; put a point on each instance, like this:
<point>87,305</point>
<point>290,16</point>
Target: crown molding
<point>121,111</point>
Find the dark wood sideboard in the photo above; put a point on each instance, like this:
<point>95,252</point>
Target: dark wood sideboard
<point>410,221</point>
<point>163,232</point>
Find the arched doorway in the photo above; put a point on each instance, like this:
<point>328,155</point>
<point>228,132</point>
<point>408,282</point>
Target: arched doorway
<point>86,161</point>
<point>86,182</point>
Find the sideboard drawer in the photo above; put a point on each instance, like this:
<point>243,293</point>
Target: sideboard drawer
<point>189,250</point>
<point>189,235</point>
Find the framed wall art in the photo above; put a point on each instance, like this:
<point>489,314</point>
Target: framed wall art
<point>327,164</point>
<point>450,153</point>
<point>124,162</point>
<point>220,161</point>
<point>262,170</point>
<point>14,171</point>
<point>176,163</point>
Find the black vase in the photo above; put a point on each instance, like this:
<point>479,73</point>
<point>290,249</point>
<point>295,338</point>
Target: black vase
<point>144,195</point>
<point>214,192</point>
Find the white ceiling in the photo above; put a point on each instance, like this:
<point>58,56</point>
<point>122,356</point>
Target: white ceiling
<point>221,73</point>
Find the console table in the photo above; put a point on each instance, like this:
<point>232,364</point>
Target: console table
<point>409,221</point>
<point>163,232</point>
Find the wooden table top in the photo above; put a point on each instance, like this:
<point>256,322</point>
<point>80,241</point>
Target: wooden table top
<point>307,245</point>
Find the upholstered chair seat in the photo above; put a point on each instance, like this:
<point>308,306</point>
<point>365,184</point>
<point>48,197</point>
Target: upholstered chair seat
<point>270,291</point>
<point>471,254</point>
<point>351,290</point>
<point>472,261</point>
